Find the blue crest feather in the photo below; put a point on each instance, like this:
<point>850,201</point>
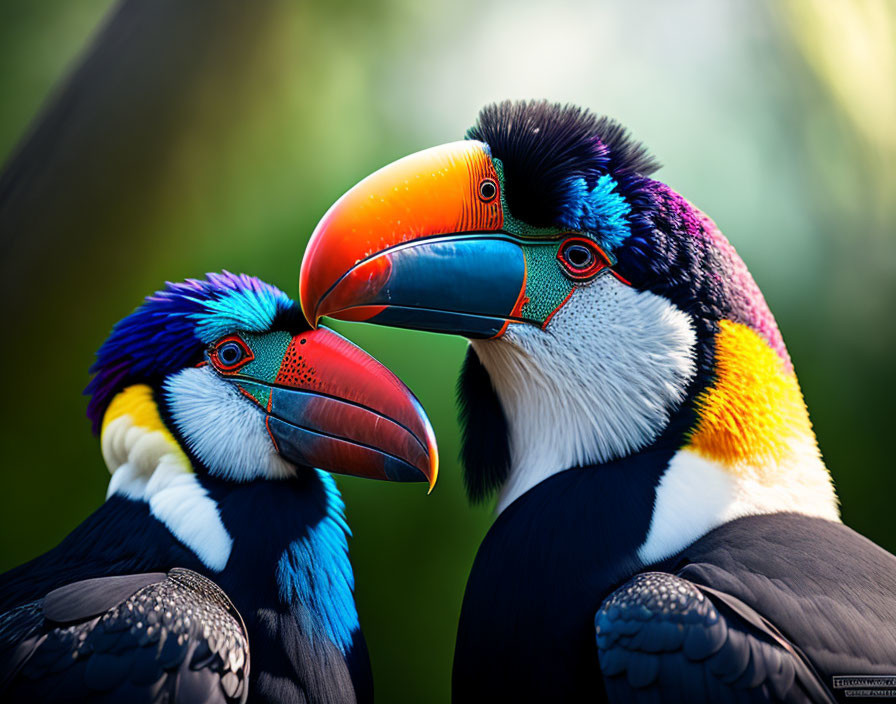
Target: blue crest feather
<point>602,210</point>
<point>172,327</point>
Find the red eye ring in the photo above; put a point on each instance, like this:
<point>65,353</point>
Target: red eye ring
<point>581,258</point>
<point>222,354</point>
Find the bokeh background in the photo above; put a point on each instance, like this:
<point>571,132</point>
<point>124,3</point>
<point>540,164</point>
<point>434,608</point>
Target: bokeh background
<point>159,139</point>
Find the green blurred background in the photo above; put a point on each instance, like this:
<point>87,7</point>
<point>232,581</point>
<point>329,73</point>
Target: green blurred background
<point>205,135</point>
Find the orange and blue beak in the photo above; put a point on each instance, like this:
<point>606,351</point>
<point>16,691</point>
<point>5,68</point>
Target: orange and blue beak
<point>420,244</point>
<point>332,406</point>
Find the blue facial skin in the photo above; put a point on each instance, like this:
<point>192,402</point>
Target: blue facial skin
<point>467,285</point>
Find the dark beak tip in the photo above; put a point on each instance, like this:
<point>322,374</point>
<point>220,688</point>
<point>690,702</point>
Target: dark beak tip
<point>400,472</point>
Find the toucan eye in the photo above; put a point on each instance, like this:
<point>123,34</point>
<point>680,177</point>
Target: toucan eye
<point>578,256</point>
<point>230,353</point>
<point>488,189</point>
<point>581,258</point>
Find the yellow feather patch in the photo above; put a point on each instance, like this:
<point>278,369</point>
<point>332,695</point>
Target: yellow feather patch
<point>137,403</point>
<point>754,410</point>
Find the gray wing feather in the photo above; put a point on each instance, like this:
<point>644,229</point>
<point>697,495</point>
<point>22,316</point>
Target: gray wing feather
<point>174,638</point>
<point>663,638</point>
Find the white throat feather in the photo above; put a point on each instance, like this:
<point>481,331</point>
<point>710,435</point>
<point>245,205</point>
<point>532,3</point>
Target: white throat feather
<point>599,382</point>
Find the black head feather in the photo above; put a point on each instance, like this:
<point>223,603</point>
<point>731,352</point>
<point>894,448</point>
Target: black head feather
<point>485,446</point>
<point>545,146</point>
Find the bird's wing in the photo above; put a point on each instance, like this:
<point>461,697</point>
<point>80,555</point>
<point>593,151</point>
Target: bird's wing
<point>137,638</point>
<point>19,631</point>
<point>663,638</point>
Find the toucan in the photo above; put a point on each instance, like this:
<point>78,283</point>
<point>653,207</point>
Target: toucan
<point>667,529</point>
<point>217,568</point>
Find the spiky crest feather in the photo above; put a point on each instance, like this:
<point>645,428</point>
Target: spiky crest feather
<point>547,147</point>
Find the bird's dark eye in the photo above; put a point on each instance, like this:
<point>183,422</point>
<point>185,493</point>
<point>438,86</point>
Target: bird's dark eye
<point>230,354</point>
<point>488,189</point>
<point>578,256</point>
<point>581,258</point>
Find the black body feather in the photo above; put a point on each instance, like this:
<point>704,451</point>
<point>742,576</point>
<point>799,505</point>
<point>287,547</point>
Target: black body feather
<point>555,556</point>
<point>485,448</point>
<point>292,659</point>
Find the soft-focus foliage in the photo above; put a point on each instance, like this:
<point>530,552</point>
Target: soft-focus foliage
<point>215,134</point>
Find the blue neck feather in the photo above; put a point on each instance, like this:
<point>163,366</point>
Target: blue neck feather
<point>295,531</point>
<point>314,574</point>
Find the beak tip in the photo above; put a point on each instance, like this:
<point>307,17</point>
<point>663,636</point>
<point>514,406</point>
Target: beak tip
<point>433,469</point>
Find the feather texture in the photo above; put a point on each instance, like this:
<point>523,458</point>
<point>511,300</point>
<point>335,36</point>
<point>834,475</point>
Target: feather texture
<point>546,148</point>
<point>141,638</point>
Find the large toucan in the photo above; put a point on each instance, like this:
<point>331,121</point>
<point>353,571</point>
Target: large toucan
<point>667,530</point>
<point>217,569</point>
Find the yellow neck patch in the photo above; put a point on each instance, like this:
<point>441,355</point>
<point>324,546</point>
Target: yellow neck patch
<point>754,410</point>
<point>131,415</point>
<point>137,402</point>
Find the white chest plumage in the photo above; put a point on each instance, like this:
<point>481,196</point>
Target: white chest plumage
<point>148,465</point>
<point>599,382</point>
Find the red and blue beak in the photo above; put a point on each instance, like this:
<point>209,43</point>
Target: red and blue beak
<point>420,244</point>
<point>334,407</point>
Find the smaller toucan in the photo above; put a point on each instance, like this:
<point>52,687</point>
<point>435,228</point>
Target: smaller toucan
<point>217,569</point>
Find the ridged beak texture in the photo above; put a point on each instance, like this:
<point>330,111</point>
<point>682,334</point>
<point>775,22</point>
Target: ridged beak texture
<point>334,407</point>
<point>419,244</point>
